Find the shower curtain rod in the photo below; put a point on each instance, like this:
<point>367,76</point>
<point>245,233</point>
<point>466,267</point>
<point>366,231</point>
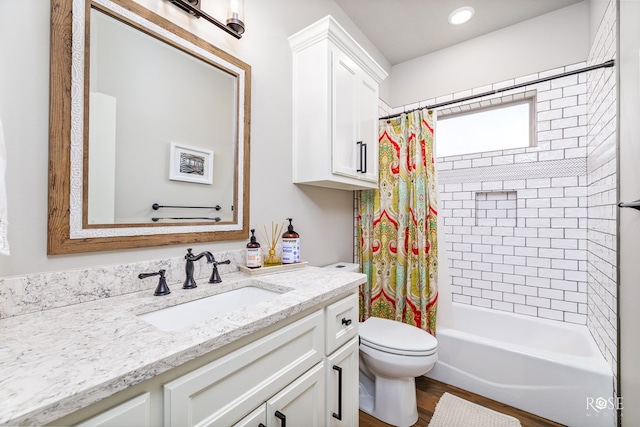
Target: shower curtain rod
<point>607,64</point>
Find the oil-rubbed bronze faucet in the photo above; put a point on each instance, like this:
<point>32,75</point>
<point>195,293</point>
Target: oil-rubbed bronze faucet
<point>190,283</point>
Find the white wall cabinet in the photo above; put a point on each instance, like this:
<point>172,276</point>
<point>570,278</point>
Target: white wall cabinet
<point>286,376</point>
<point>335,109</point>
<point>354,112</point>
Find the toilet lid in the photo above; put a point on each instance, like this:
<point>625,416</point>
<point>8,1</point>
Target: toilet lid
<point>396,337</point>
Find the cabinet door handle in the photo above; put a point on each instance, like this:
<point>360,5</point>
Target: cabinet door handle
<point>261,425</point>
<point>361,168</point>
<point>363,159</point>
<point>346,321</point>
<point>339,414</point>
<point>282,417</point>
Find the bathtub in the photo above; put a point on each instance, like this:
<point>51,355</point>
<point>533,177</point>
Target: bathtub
<point>549,368</point>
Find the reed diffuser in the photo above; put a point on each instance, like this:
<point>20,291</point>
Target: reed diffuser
<point>272,259</point>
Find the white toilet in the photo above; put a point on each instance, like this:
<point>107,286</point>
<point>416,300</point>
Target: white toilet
<point>392,354</point>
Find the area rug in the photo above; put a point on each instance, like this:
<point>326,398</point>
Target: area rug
<point>452,411</point>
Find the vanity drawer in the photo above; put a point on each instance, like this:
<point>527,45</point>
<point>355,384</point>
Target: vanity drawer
<point>341,322</point>
<point>224,391</point>
<point>133,412</point>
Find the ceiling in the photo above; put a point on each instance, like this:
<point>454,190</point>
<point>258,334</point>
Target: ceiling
<point>406,29</point>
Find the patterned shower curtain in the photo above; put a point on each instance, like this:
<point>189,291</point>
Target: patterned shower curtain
<point>397,226</point>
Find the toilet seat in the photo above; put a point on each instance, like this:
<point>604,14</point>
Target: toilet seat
<point>398,338</point>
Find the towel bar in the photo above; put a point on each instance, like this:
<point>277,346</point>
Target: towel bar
<point>156,206</point>
<point>633,205</point>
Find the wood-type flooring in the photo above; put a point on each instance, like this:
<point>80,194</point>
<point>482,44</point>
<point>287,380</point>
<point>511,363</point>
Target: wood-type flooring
<point>428,392</point>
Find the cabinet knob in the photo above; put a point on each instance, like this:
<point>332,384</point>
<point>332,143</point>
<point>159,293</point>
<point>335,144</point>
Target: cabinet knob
<point>346,321</point>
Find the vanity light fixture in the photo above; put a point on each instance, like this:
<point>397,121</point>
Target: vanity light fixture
<point>235,19</point>
<point>461,15</point>
<point>235,22</point>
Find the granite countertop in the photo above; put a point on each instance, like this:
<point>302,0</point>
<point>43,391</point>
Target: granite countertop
<point>57,361</point>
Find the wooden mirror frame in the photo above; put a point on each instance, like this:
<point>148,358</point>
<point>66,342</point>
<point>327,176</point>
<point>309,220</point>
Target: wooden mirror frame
<point>60,240</point>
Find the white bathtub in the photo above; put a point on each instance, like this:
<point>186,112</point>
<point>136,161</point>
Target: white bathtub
<point>545,367</point>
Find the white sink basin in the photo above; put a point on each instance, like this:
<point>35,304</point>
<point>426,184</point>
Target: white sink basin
<point>183,315</point>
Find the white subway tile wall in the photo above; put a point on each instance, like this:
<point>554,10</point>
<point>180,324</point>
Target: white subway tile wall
<point>515,220</point>
<point>558,260</point>
<point>602,193</point>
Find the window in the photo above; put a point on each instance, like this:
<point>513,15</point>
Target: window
<point>489,129</point>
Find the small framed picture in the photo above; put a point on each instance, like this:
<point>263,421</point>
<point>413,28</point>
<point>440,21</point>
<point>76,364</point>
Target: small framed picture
<point>190,164</point>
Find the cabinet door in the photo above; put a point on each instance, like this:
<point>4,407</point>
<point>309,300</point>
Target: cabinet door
<point>135,413</point>
<point>257,418</point>
<point>368,129</point>
<point>223,391</point>
<point>301,403</point>
<point>342,386</point>
<point>344,95</point>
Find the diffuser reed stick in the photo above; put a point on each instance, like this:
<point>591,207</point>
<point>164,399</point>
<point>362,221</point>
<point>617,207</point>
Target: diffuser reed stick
<point>276,230</point>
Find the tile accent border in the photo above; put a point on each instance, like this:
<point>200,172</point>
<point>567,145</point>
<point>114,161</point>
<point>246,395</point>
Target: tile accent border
<point>501,172</point>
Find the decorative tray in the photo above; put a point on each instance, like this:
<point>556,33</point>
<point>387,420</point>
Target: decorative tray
<point>273,269</point>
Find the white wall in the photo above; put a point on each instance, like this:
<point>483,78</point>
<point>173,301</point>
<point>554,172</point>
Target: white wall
<point>543,43</point>
<point>322,217</point>
<point>597,10</point>
<point>628,61</point>
<point>602,194</point>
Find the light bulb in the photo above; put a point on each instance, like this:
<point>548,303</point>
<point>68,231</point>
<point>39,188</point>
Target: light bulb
<point>235,14</point>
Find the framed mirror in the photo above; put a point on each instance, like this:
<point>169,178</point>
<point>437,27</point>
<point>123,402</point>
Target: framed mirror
<point>149,132</point>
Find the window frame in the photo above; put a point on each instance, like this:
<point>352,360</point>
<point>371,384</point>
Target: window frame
<point>488,105</point>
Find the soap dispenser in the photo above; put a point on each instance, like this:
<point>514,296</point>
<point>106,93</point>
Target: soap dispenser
<point>254,254</point>
<point>290,245</point>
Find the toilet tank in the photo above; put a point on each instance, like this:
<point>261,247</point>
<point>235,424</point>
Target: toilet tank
<point>345,266</point>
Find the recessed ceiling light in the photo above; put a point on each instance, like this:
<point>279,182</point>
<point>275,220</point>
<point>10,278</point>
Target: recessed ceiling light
<point>461,15</point>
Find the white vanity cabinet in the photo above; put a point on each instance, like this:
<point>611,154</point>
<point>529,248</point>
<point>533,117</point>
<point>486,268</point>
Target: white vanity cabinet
<point>342,386</point>
<point>305,373</point>
<point>341,346</point>
<point>225,390</point>
<point>135,412</point>
<point>302,372</point>
<point>300,404</point>
<point>257,418</point>
<point>335,109</point>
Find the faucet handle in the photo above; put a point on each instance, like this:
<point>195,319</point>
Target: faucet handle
<point>162,288</point>
<point>215,276</point>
